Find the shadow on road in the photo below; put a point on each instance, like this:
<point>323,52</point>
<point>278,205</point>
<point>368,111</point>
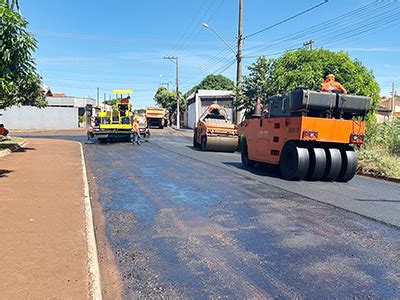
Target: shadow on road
<point>378,200</point>
<point>4,173</point>
<point>259,169</point>
<point>193,148</point>
<point>25,149</point>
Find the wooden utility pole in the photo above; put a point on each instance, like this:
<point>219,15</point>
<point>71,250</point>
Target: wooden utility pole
<point>239,57</point>
<point>98,90</point>
<point>178,119</point>
<point>176,61</point>
<point>393,100</point>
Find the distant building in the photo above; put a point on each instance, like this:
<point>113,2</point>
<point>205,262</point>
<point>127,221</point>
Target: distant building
<point>198,102</point>
<point>45,90</point>
<point>393,107</point>
<point>62,112</point>
<point>85,105</point>
<point>383,113</point>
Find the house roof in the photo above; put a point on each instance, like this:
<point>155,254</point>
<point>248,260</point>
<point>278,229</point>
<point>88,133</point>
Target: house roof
<point>210,94</point>
<point>382,109</point>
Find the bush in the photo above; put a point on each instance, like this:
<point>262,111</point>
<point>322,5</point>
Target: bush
<point>385,136</point>
<point>82,119</point>
<point>380,154</point>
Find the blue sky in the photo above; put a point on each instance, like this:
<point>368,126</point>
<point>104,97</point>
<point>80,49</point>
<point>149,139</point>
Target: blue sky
<point>88,44</point>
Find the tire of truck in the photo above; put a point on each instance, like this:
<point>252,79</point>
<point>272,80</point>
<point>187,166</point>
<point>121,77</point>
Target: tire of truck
<point>203,144</point>
<point>195,143</point>
<point>349,164</point>
<point>244,155</point>
<point>333,164</point>
<point>161,126</point>
<point>294,161</point>
<point>317,163</point>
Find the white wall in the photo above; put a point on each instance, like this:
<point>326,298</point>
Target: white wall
<point>191,115</point>
<point>29,117</point>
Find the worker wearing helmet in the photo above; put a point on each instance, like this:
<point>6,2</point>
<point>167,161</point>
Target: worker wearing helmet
<point>330,85</point>
<point>135,132</point>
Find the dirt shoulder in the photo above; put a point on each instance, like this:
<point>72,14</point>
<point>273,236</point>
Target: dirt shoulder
<point>42,222</point>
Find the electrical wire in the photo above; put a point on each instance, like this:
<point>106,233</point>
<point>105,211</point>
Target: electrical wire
<point>364,12</point>
<point>287,19</point>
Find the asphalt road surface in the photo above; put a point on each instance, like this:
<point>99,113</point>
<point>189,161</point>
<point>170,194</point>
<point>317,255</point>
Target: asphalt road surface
<point>190,224</point>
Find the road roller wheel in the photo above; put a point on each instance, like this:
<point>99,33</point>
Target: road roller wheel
<point>349,165</point>
<point>245,156</point>
<point>203,144</point>
<point>317,163</point>
<point>333,164</point>
<point>294,162</point>
<point>195,143</point>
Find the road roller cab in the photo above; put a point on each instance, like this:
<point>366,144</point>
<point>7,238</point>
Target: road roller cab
<point>307,134</point>
<point>214,131</point>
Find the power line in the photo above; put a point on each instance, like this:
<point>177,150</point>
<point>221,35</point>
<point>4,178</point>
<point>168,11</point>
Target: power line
<point>187,28</point>
<point>287,19</point>
<point>321,27</point>
<point>362,13</point>
<point>194,29</point>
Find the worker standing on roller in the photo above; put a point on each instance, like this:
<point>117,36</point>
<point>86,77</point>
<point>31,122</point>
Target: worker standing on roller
<point>135,132</point>
<point>330,85</point>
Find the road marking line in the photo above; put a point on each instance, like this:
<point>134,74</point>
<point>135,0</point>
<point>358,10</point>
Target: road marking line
<point>92,260</point>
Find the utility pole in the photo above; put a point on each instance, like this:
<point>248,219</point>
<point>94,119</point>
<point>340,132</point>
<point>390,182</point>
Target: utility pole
<point>172,58</point>
<point>239,58</point>
<point>309,44</point>
<point>104,97</point>
<point>393,100</point>
<point>98,90</point>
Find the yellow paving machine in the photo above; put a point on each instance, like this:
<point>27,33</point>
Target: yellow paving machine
<point>114,125</point>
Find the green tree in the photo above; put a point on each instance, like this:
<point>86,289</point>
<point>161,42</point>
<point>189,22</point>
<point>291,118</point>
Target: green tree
<point>213,82</point>
<point>140,111</point>
<point>305,68</point>
<point>111,102</point>
<point>167,100</point>
<point>19,79</point>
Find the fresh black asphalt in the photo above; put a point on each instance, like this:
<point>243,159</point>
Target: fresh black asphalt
<point>190,224</point>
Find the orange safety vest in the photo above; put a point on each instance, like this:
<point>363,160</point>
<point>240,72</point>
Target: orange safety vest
<point>330,85</point>
<point>135,127</point>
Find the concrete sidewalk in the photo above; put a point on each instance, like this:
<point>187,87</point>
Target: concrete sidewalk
<point>43,252</point>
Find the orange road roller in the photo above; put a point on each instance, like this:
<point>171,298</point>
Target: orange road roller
<point>308,134</point>
<point>215,132</point>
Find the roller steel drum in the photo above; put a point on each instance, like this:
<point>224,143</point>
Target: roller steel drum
<point>221,143</point>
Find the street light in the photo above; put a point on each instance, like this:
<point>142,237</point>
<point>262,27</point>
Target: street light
<point>205,25</point>
<point>174,59</point>
<point>238,54</point>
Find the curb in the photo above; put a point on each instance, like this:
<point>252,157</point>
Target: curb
<point>4,153</point>
<point>92,259</point>
<point>392,179</point>
<point>16,147</point>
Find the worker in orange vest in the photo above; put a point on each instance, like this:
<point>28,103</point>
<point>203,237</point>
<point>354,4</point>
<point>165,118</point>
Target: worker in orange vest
<point>135,132</point>
<point>3,130</point>
<point>330,85</point>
